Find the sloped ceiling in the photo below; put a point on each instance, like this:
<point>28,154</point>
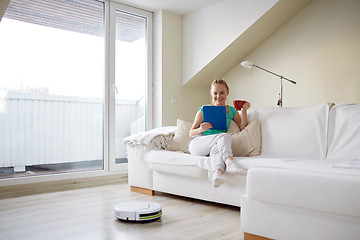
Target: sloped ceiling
<point>254,36</point>
<point>3,5</point>
<point>180,7</point>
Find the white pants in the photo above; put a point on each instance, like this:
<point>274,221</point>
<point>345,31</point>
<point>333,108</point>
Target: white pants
<point>216,146</point>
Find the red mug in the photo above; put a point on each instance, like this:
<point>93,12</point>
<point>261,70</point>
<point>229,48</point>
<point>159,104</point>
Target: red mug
<point>238,104</point>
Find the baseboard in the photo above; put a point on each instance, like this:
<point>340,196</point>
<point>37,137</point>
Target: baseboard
<point>142,190</point>
<point>249,236</point>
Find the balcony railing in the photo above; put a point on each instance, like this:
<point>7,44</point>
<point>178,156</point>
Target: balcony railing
<point>51,129</point>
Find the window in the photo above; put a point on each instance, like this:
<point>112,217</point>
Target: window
<point>53,75</point>
<point>130,78</point>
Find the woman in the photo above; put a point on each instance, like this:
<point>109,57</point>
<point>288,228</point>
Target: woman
<point>217,143</point>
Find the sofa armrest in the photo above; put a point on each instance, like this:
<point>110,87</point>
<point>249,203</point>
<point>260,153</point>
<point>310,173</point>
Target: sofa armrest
<point>139,173</point>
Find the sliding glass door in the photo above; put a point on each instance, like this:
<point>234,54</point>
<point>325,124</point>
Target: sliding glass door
<point>130,78</point>
<point>51,87</point>
<point>75,80</point>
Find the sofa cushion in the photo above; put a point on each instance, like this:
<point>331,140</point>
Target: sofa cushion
<point>344,132</point>
<point>183,164</point>
<point>297,131</point>
<point>182,170</point>
<point>313,184</point>
<point>248,141</point>
<point>181,139</point>
<point>252,114</point>
<point>172,158</point>
<point>179,163</point>
<point>176,162</point>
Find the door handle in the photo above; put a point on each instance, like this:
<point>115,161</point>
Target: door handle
<point>116,90</point>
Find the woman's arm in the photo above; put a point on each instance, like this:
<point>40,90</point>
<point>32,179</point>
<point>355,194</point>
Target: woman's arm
<point>199,126</point>
<point>242,121</point>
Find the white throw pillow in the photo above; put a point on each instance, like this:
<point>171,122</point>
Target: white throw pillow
<point>294,132</point>
<point>344,132</point>
<point>181,139</point>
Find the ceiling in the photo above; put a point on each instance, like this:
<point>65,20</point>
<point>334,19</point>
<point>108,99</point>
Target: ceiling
<point>180,7</point>
<point>247,42</point>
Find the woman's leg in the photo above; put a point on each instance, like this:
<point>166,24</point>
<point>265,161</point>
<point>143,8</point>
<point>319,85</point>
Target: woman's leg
<point>199,145</point>
<point>222,153</point>
<point>219,152</point>
<point>204,146</point>
<point>217,146</point>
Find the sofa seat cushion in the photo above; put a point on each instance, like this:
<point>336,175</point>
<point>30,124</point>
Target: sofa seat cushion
<point>165,161</point>
<point>307,184</point>
<point>183,170</point>
<point>172,158</point>
<point>177,162</point>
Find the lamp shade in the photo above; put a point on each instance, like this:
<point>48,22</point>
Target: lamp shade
<point>247,64</point>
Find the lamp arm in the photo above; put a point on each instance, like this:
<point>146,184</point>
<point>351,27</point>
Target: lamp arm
<point>282,77</point>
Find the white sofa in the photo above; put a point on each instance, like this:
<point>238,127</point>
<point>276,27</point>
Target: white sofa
<point>317,199</point>
<point>295,189</point>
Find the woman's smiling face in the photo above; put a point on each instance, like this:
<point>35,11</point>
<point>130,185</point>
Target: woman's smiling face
<point>219,93</point>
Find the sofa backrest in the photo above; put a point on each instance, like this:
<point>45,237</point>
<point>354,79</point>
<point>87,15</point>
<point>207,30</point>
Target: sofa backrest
<point>344,132</point>
<point>297,132</point>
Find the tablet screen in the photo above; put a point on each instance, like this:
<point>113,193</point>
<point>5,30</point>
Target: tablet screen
<point>216,115</point>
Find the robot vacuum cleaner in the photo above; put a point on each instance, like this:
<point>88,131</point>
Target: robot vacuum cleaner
<point>138,211</point>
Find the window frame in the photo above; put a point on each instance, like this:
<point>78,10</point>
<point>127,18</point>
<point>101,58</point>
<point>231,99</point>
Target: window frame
<point>110,78</point>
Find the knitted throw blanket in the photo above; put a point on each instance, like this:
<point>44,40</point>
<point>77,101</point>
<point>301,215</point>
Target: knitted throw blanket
<point>157,138</point>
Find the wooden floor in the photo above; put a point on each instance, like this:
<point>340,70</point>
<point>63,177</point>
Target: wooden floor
<point>88,214</point>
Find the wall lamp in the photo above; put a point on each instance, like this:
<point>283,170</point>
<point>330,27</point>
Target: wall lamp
<point>250,65</point>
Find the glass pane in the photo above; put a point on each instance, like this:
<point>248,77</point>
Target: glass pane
<point>130,79</point>
<point>51,87</point>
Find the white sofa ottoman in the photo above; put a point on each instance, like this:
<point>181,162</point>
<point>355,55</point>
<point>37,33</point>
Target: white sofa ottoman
<point>302,200</point>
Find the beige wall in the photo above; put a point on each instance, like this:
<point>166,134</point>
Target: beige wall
<point>172,67</point>
<point>171,99</point>
<point>167,70</point>
<point>319,48</point>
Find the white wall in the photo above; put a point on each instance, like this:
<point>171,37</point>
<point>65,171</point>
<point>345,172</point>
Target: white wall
<point>209,30</point>
<point>319,48</point>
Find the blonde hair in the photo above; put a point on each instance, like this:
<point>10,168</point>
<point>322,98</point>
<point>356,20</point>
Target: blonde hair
<point>220,81</point>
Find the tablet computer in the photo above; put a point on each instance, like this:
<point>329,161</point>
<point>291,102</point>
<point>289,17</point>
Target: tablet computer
<point>216,115</point>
